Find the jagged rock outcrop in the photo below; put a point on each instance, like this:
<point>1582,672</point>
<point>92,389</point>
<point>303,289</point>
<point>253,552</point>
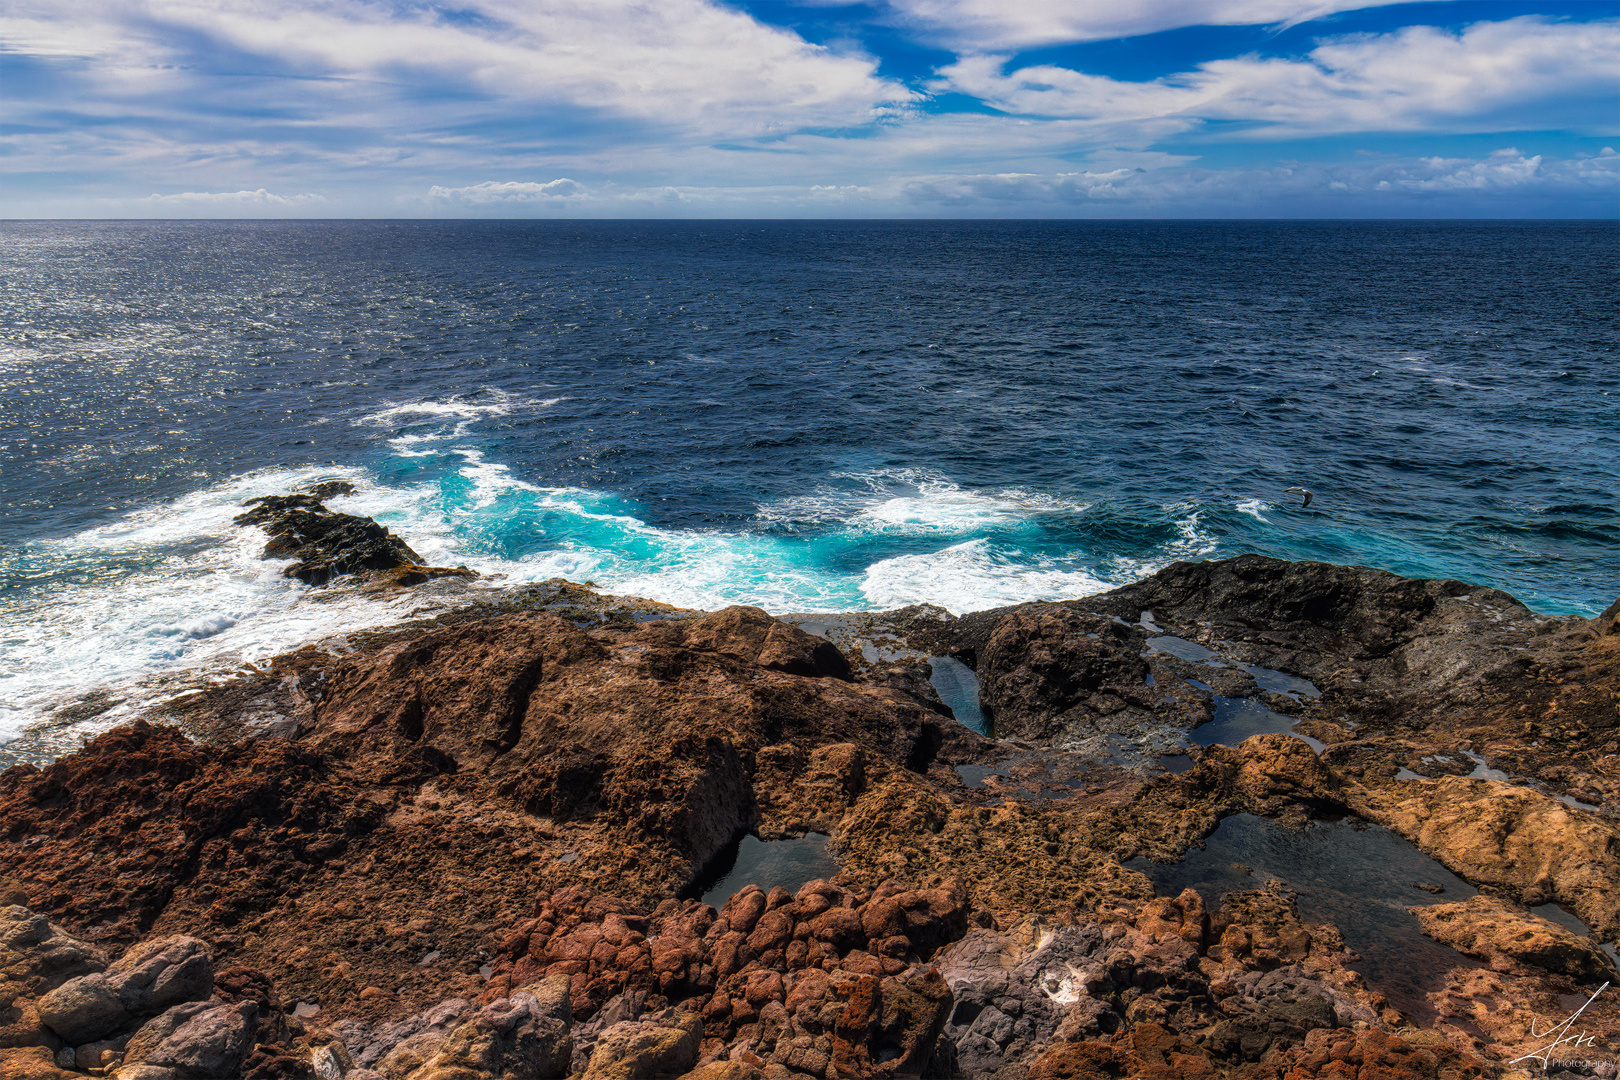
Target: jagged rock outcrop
<point>1507,835</point>
<point>1511,939</point>
<point>327,545</point>
<point>826,976</point>
<point>467,765</point>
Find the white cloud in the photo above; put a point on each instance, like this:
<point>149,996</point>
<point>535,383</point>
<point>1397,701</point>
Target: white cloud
<point>997,25</point>
<point>1505,168</point>
<point>1519,74</point>
<point>688,107</point>
<point>1135,185</point>
<point>492,193</point>
<point>234,199</point>
<point>691,65</point>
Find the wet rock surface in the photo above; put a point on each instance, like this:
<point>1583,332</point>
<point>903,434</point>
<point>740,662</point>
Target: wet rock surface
<point>457,853</point>
<point>327,544</point>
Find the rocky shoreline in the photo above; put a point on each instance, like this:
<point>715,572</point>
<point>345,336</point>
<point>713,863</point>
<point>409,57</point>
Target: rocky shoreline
<point>452,849</point>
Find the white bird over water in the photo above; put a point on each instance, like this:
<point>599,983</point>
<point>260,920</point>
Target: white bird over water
<point>1300,491</point>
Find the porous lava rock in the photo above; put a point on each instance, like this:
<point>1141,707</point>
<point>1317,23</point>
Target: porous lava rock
<point>1510,939</point>
<point>458,769</point>
<point>822,977</point>
<point>1508,835</point>
<point>1044,669</point>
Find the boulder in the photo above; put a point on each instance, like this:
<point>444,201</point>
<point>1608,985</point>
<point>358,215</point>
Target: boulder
<point>83,1009</point>
<point>1046,669</point>
<point>32,1063</point>
<point>198,1040</point>
<point>145,980</point>
<point>420,1035</point>
<point>525,1035</point>
<point>662,1045</point>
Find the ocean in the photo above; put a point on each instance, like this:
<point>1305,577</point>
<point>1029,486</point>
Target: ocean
<point>806,416</point>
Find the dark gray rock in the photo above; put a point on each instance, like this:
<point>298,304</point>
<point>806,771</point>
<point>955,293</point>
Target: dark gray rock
<point>326,544</point>
<point>83,1009</point>
<point>1046,669</point>
<point>208,1042</point>
<point>1014,991</point>
<point>146,980</point>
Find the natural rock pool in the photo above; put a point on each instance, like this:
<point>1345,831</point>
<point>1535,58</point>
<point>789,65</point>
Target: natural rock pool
<point>1358,876</point>
<point>1238,718</point>
<point>749,860</point>
<point>958,688</point>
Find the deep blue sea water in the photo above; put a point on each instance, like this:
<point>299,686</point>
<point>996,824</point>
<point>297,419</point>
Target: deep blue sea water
<point>801,415</point>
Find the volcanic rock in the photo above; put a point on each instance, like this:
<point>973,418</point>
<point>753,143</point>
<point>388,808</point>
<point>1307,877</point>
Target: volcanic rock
<point>327,544</point>
<point>1502,834</point>
<point>460,844</point>
<point>144,981</point>
<point>199,1041</point>
<point>1510,939</point>
<point>1043,670</point>
<point>523,1035</point>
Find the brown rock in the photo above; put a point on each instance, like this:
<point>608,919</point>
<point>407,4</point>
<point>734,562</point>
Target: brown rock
<point>639,1050</point>
<point>32,1063</point>
<point>1509,938</point>
<point>724,1070</point>
<point>471,765</point>
<point>1280,771</point>
<point>1496,833</point>
<point>1085,1061</point>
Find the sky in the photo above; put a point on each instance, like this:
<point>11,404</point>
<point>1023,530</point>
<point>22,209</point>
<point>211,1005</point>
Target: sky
<point>809,108</point>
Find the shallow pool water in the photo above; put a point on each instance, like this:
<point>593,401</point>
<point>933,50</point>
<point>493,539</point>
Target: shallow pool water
<point>958,688</point>
<point>1281,682</point>
<point>1190,651</point>
<point>1358,876</point>
<point>1238,718</point>
<point>752,861</point>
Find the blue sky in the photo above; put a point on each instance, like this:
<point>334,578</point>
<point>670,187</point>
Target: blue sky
<point>809,108</point>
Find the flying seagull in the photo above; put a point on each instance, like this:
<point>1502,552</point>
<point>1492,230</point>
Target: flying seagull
<point>1301,491</point>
